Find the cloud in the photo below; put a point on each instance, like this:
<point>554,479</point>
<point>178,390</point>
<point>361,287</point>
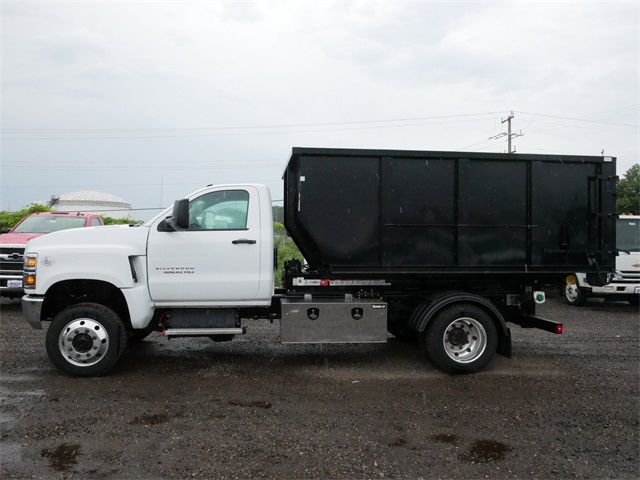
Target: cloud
<point>149,65</point>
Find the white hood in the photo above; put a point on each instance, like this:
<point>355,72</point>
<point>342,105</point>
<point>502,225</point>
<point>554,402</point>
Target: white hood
<point>133,239</point>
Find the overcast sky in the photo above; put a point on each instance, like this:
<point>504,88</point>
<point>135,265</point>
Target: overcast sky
<point>122,97</point>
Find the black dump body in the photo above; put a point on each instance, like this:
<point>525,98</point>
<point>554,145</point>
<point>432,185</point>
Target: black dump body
<point>382,212</point>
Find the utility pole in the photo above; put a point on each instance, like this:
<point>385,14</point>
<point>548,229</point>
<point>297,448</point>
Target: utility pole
<point>508,133</point>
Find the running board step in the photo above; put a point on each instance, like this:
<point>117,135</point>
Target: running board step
<point>197,332</point>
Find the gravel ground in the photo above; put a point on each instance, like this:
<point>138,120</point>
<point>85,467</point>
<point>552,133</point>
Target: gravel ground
<point>563,406</point>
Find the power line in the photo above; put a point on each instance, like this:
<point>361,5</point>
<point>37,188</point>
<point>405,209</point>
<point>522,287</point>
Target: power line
<point>579,119</point>
<point>124,136</point>
<point>588,127</point>
<point>240,127</point>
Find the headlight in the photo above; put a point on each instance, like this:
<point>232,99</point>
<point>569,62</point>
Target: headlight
<point>30,264</point>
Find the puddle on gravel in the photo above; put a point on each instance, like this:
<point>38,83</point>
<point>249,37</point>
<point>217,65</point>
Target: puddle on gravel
<point>154,419</point>
<point>254,404</point>
<point>63,457</point>
<point>485,451</point>
<point>445,438</point>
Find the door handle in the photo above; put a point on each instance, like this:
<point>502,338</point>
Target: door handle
<point>243,240</point>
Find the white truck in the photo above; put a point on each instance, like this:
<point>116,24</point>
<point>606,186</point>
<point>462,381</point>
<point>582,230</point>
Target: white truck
<point>429,246</point>
<point>625,282</point>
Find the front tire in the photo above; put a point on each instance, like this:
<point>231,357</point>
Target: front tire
<point>86,340</point>
<point>461,339</point>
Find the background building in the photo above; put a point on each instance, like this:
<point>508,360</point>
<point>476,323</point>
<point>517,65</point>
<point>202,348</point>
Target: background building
<point>92,202</point>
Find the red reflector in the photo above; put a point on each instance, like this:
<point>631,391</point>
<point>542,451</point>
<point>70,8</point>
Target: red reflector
<point>324,283</point>
<point>559,328</point>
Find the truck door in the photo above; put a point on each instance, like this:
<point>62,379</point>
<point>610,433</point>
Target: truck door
<point>217,259</point>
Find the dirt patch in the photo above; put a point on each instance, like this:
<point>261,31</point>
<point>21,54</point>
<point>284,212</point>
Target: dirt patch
<point>63,457</point>
<point>397,442</point>
<point>448,438</point>
<point>485,451</point>
<point>154,419</point>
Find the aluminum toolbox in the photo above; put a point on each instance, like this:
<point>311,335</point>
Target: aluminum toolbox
<point>334,320</point>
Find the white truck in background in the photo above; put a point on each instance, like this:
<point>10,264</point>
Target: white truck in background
<point>625,284</point>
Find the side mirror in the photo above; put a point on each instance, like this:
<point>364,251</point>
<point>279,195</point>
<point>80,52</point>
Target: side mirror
<point>180,217</point>
<point>166,226</point>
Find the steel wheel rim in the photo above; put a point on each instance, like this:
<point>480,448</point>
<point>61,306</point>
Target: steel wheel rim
<point>464,340</point>
<point>571,292</point>
<point>83,342</point>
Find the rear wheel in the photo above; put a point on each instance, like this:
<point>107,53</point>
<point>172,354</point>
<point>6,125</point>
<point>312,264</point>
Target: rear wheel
<point>86,340</point>
<point>574,295</point>
<point>461,339</point>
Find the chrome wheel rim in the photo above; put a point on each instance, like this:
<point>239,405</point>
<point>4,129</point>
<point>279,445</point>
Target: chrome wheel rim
<point>464,340</point>
<point>83,342</point>
<point>571,292</point>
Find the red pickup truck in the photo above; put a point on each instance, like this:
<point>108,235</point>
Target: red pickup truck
<point>12,243</point>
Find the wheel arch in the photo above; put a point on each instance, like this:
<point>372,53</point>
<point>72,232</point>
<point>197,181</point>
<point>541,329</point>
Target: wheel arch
<point>66,293</point>
<point>423,314</point>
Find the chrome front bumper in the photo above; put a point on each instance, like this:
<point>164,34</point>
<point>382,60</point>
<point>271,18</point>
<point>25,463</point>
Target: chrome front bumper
<point>31,308</point>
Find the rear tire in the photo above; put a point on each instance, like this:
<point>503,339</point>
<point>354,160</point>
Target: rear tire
<point>461,338</point>
<point>86,340</point>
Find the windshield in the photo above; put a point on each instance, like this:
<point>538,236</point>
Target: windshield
<point>48,224</point>
<point>628,234</point>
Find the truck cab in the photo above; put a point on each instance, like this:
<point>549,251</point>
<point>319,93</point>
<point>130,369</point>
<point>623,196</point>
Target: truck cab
<point>625,282</point>
<point>190,266</point>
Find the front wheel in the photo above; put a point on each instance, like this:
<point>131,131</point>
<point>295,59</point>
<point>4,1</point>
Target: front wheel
<point>86,340</point>
<point>461,339</point>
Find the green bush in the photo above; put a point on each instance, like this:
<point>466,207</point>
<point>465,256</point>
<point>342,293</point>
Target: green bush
<point>629,191</point>
<point>9,219</point>
<point>287,250</point>
<point>119,221</point>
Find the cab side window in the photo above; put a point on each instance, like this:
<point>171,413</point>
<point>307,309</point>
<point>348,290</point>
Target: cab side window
<point>223,210</point>
<point>95,222</point>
